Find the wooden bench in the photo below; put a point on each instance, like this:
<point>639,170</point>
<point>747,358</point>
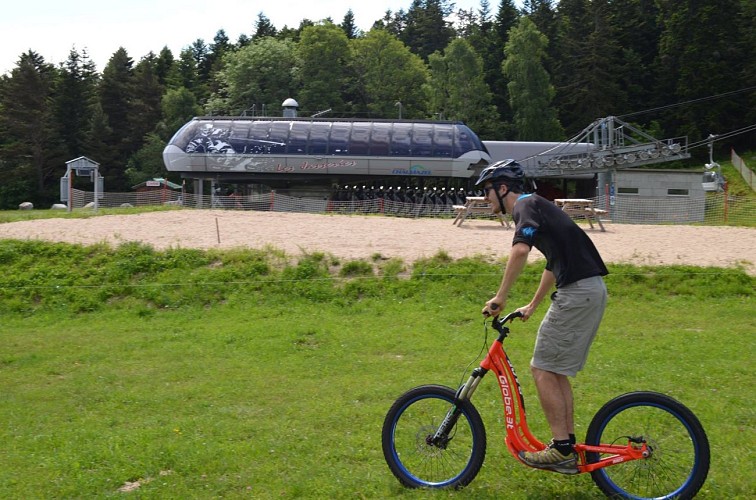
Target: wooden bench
<point>581,207</point>
<point>474,205</point>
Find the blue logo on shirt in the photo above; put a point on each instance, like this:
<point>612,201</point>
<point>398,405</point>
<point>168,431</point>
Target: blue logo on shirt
<point>528,232</point>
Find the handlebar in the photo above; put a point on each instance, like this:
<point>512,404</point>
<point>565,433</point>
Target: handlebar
<point>509,317</point>
<point>499,324</point>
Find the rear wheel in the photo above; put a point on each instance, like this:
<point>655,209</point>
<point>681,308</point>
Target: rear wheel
<point>679,460</point>
<point>451,461</point>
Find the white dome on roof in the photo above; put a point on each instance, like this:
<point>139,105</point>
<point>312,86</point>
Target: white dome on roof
<point>290,103</point>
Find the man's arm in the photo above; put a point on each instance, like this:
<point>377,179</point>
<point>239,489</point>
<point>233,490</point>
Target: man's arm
<point>518,257</point>
<point>547,282</point>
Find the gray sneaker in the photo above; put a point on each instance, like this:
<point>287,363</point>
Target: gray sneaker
<point>551,459</point>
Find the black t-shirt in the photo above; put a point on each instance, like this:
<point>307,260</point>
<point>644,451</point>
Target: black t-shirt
<point>570,253</point>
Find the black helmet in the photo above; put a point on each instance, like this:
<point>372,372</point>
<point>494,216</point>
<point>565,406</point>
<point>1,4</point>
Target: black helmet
<point>504,171</point>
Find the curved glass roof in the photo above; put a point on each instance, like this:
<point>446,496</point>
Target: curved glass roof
<point>326,137</point>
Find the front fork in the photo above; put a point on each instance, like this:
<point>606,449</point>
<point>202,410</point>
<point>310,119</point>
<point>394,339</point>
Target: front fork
<point>464,393</point>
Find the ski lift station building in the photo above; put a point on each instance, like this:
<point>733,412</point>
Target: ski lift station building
<point>309,157</point>
<point>303,155</point>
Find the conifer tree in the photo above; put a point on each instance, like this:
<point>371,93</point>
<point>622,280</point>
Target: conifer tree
<point>186,68</point>
<point>635,29</point>
<point>426,29</point>
<point>213,61</point>
<point>696,63</point>
<point>116,100</point>
<point>348,25</point>
<point>147,94</point>
<point>75,100</point>
<point>587,64</point>
<point>32,149</point>
<point>166,69</point>
<point>263,27</point>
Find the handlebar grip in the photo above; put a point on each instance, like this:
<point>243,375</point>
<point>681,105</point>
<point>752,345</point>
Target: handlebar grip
<point>513,315</point>
<point>510,317</point>
<point>492,307</point>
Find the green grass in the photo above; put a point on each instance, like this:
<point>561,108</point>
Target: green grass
<point>741,199</point>
<point>736,185</point>
<point>77,213</point>
<point>246,374</point>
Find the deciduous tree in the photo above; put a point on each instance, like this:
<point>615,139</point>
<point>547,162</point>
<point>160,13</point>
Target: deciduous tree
<point>390,77</point>
<point>530,89</point>
<point>325,61</point>
<point>458,91</point>
<point>263,74</point>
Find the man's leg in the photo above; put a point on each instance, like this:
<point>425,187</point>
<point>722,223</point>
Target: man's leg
<point>562,345</point>
<point>555,394</point>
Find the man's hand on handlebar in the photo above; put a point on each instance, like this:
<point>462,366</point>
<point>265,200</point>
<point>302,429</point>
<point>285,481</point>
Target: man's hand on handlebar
<point>493,307</point>
<point>526,311</point>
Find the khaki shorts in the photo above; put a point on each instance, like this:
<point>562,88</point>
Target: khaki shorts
<point>570,324</point>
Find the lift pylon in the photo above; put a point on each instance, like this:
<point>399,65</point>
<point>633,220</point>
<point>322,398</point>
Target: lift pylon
<point>612,143</point>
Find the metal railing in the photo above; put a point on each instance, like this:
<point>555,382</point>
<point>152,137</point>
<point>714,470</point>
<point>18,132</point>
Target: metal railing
<point>741,167</point>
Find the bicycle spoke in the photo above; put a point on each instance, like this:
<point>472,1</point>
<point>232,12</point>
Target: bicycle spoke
<point>678,460</point>
<point>416,461</point>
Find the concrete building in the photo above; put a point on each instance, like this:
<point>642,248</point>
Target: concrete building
<point>667,196</point>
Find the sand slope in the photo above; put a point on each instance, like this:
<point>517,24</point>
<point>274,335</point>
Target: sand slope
<point>353,237</point>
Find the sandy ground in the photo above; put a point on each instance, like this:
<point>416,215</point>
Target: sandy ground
<point>352,237</point>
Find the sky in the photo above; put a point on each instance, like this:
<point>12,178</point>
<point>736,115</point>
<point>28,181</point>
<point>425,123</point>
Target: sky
<point>52,28</point>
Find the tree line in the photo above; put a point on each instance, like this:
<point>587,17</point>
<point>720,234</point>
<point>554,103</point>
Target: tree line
<point>541,72</point>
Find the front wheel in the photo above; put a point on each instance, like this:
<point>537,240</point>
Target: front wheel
<point>679,459</point>
<point>418,460</point>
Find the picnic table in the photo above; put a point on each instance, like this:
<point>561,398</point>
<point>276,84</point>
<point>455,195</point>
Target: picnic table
<point>581,207</point>
<point>475,205</point>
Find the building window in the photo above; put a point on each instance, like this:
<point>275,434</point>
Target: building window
<point>318,143</point>
<point>338,143</point>
<point>677,192</point>
<point>401,139</point>
<point>380,138</point>
<point>359,141</point>
<point>627,190</point>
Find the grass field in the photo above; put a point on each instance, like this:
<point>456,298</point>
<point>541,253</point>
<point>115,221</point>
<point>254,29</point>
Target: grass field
<point>244,374</point>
